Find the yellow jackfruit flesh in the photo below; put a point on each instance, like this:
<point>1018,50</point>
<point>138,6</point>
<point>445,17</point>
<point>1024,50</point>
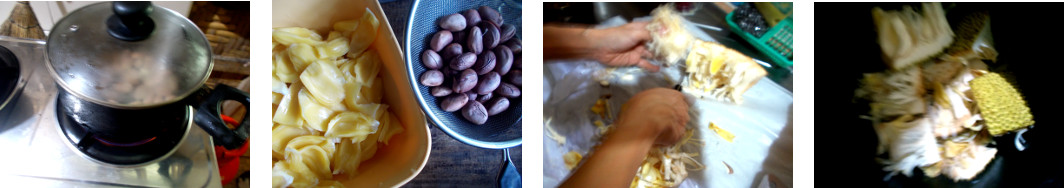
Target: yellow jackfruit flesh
<point>327,112</point>
<point>572,159</point>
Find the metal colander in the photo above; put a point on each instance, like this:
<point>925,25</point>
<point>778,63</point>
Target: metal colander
<point>501,130</point>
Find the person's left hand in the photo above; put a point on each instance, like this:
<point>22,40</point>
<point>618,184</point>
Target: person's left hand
<point>623,46</point>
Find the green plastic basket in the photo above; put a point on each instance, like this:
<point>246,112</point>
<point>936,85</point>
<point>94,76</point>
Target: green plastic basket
<point>776,42</point>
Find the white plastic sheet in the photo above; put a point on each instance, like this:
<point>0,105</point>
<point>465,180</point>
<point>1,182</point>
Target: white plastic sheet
<point>571,89</point>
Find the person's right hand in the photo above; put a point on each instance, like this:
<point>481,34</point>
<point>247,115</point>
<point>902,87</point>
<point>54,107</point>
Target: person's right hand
<point>652,117</point>
<point>660,112</point>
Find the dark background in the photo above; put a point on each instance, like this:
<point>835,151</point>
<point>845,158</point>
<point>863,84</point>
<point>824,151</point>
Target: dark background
<point>1027,39</point>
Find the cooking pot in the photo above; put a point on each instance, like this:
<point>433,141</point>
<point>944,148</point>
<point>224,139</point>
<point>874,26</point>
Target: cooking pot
<point>11,80</point>
<point>130,72</point>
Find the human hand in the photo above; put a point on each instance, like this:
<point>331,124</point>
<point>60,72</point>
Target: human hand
<point>660,113</point>
<point>652,117</point>
<point>622,45</point>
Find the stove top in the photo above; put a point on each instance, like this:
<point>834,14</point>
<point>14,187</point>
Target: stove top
<point>39,155</point>
<point>118,153</point>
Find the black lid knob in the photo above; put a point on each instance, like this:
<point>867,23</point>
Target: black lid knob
<point>131,20</point>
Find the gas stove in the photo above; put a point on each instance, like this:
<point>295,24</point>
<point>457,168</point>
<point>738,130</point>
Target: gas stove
<point>38,153</point>
<point>146,148</point>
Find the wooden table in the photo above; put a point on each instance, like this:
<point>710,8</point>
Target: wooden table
<point>451,163</point>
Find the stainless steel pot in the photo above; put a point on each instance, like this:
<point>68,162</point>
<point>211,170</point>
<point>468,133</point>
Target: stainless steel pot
<point>128,55</point>
<point>124,65</point>
<point>12,79</point>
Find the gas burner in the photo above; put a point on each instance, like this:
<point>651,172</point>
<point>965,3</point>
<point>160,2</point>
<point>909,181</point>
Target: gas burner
<point>122,152</point>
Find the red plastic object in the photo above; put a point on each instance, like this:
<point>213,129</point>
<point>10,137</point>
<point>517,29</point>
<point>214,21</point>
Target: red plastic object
<point>229,160</point>
<point>229,121</point>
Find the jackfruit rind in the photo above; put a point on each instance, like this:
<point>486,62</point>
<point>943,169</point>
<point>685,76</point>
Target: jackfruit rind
<point>1001,105</point>
<point>910,36</point>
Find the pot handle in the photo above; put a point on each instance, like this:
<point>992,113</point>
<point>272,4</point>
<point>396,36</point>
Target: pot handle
<point>208,117</point>
<point>131,20</point>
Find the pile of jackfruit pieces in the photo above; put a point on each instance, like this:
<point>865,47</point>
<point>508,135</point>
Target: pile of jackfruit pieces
<point>662,167</point>
<point>938,107</point>
<point>712,70</point>
<point>328,116</point>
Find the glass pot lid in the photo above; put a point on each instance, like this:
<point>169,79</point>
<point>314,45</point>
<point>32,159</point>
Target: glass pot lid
<point>128,55</point>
